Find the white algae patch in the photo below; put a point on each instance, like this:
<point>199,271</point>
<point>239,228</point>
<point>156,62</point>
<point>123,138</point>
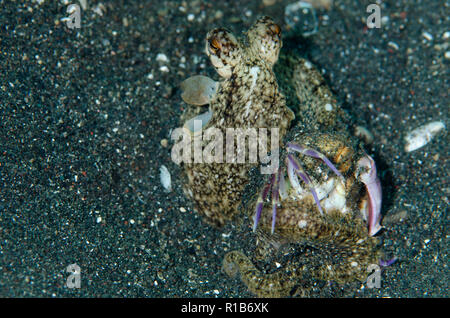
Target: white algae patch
<point>165,178</point>
<point>422,135</point>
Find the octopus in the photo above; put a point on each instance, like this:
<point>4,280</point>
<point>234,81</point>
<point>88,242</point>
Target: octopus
<point>315,217</point>
<point>247,97</point>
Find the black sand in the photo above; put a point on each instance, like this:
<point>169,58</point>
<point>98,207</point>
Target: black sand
<point>83,113</point>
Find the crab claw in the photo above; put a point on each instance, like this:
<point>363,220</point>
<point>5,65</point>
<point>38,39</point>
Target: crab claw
<point>260,203</point>
<point>368,176</point>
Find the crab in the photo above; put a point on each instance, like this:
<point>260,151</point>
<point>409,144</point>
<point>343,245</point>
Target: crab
<point>333,207</point>
<point>333,198</point>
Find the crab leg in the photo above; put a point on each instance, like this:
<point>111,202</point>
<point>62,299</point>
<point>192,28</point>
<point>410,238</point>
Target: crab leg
<point>292,176</point>
<point>298,169</point>
<point>260,202</point>
<point>275,198</point>
<point>283,189</point>
<point>389,262</point>
<point>315,154</point>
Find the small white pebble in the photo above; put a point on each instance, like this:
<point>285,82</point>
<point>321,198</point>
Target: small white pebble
<point>446,35</point>
<point>182,209</point>
<point>225,235</point>
<point>447,55</point>
<point>269,2</point>
<point>427,36</point>
<point>218,15</point>
<point>191,17</point>
<point>164,142</point>
<point>83,4</point>
<point>99,219</point>
<point>165,178</point>
<point>393,45</point>
<point>422,135</point>
<point>161,57</point>
<point>308,65</point>
<point>99,9</point>
<point>164,69</point>
<point>328,107</point>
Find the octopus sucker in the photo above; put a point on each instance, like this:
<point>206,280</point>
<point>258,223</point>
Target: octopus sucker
<point>323,195</point>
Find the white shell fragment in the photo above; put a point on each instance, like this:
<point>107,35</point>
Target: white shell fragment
<point>165,178</point>
<point>198,90</point>
<point>422,135</point>
<point>301,17</point>
<point>161,57</point>
<point>196,124</point>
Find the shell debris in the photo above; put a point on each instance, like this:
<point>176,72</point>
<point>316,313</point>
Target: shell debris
<point>198,90</point>
<point>165,178</point>
<point>321,4</point>
<point>422,135</point>
<point>301,17</point>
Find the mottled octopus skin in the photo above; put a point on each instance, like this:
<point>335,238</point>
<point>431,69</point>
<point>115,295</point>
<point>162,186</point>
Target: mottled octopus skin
<point>342,247</point>
<point>248,97</point>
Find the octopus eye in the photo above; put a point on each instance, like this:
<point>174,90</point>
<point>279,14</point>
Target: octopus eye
<point>215,45</point>
<point>275,29</point>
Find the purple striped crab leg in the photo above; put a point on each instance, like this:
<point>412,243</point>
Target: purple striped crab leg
<point>389,262</point>
<point>298,169</point>
<point>315,154</point>
<point>275,198</point>
<point>260,202</point>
